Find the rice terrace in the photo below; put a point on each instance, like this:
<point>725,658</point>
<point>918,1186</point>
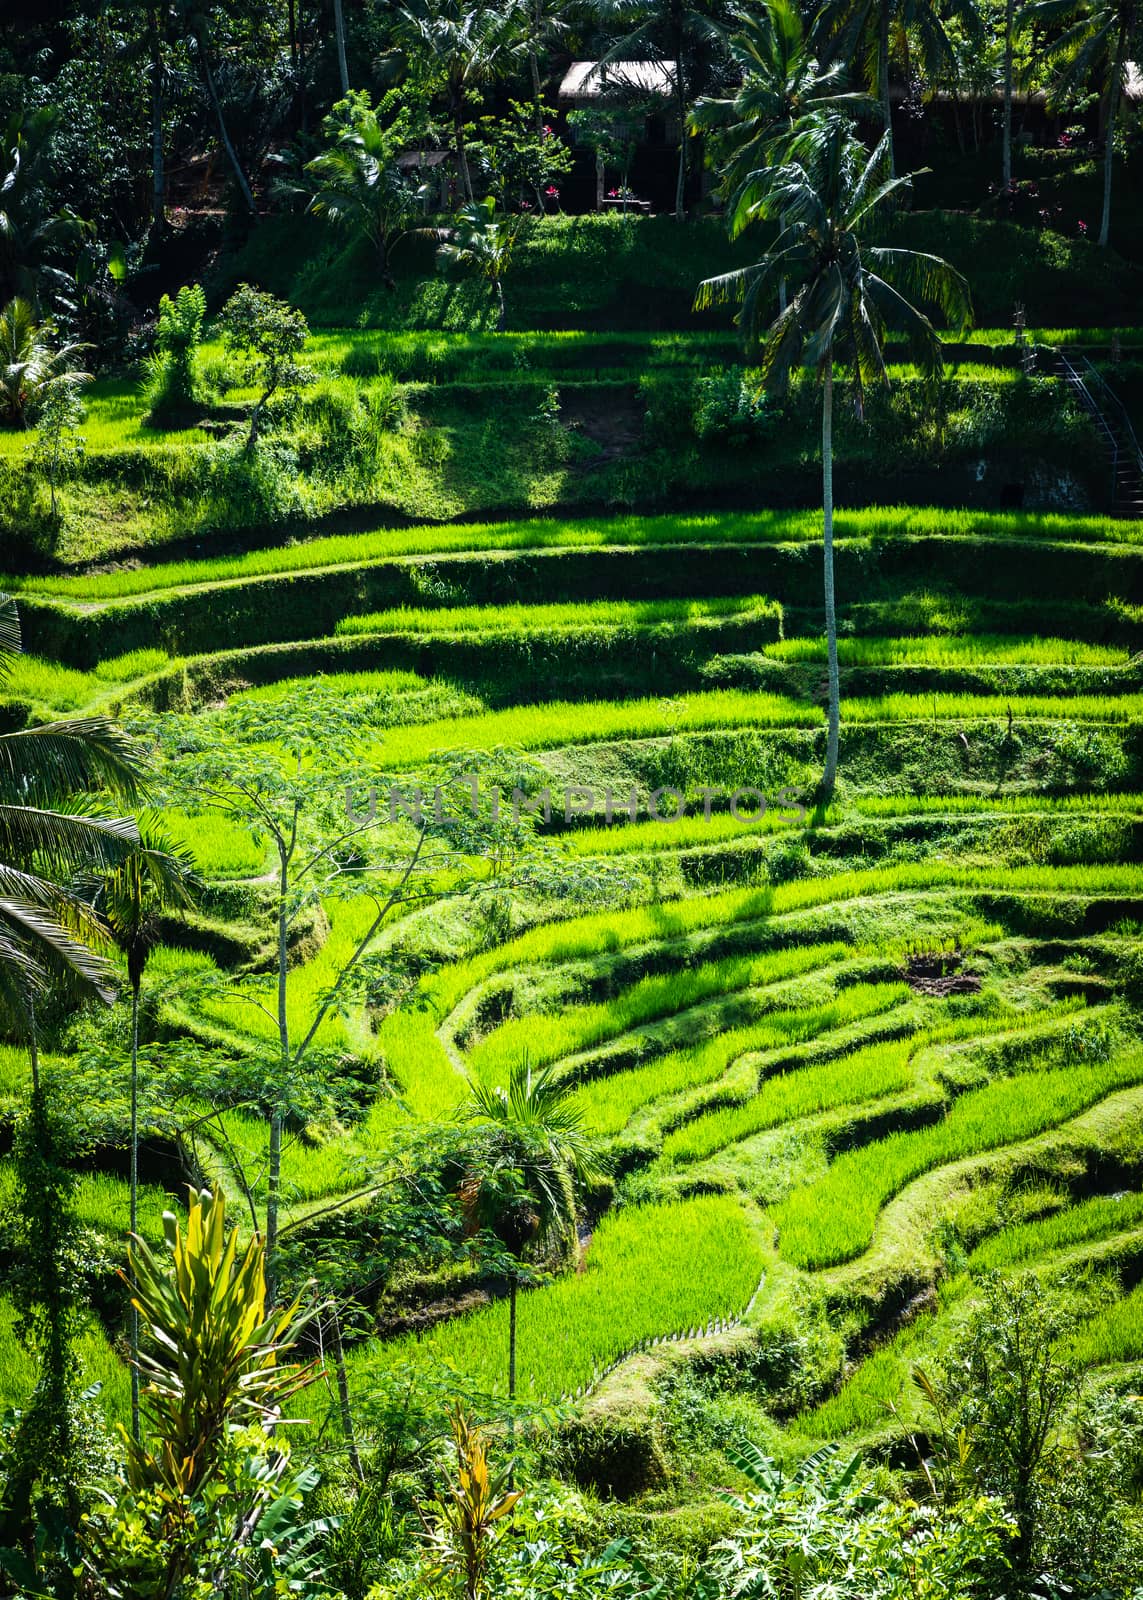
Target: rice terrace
<point>571,800</point>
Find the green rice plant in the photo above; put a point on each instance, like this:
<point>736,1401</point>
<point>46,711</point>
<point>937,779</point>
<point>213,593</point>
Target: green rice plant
<point>1072,1224</point>
<point>936,708</point>
<point>833,1219</point>
<point>565,618</point>
<point>621,836</point>
<point>103,1203</point>
<point>870,1074</point>
<point>545,1038</point>
<point>675,919</point>
<point>309,1171</point>
<point>98,1364</point>
<point>135,664</point>
<point>767,526</point>
<point>249,1006</point>
<point>420,1068</point>
<point>951,650</point>
<point>883,1379</point>
<point>538,727</point>
<point>222,848</point>
<point>648,1271</point>
<point>47,684</point>
<point>907,805</point>
<point>1113,1335</point>
<point>342,683</point>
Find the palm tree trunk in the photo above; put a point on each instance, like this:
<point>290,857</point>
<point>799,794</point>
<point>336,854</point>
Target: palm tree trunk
<point>1009,24</point>
<point>834,711</point>
<point>501,316</point>
<point>883,78</point>
<point>158,210</point>
<point>33,1048</point>
<point>343,1399</point>
<point>339,31</point>
<point>537,103</point>
<point>231,154</point>
<point>274,1154</point>
<point>1109,150</point>
<point>134,1203</point>
<point>462,155</point>
<point>681,182</point>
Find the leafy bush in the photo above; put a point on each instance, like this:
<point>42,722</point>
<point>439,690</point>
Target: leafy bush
<point>252,484</point>
<point>172,386</point>
<point>727,408</point>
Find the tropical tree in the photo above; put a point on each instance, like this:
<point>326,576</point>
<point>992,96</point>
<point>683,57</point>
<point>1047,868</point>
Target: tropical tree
<point>29,366</point>
<point>482,242</point>
<point>779,83</point>
<point>461,45</point>
<point>826,196</point>
<point>873,31</point>
<point>155,878</point>
<point>688,34</point>
<point>196,20</point>
<point>1099,44</point>
<point>356,181</point>
<point>530,1153</point>
<point>270,336</point>
<point>31,234</point>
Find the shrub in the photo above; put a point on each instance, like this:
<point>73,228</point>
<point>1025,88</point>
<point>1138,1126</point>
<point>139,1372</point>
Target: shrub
<point>171,386</point>
<point>252,485</point>
<point>726,408</point>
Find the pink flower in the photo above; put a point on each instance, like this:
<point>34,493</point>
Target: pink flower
<point>613,194</point>
<point>547,130</point>
<point>1083,227</point>
<point>552,192</point>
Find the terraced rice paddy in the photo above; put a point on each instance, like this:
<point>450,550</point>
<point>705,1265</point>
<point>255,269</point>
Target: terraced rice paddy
<point>811,1037</point>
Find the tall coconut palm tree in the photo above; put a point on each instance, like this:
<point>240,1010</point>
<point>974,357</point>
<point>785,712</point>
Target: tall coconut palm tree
<point>531,1152</point>
<point>846,293</point>
<point>1097,46</point>
<point>874,31</point>
<point>779,83</point>
<point>154,878</point>
<point>464,44</point>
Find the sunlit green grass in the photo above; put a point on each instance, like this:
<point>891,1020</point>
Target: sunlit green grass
<point>537,727</point>
<point>545,1037</point>
<point>952,650</point>
<point>553,618</point>
<point>221,847</point>
<point>763,526</point>
<point>649,1271</point>
<point>832,1220</point>
<point>1070,1225</point>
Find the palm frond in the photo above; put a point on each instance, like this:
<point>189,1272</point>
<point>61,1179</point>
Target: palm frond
<point>60,842</point>
<point>9,634</point>
<point>60,758</point>
<point>929,279</point>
